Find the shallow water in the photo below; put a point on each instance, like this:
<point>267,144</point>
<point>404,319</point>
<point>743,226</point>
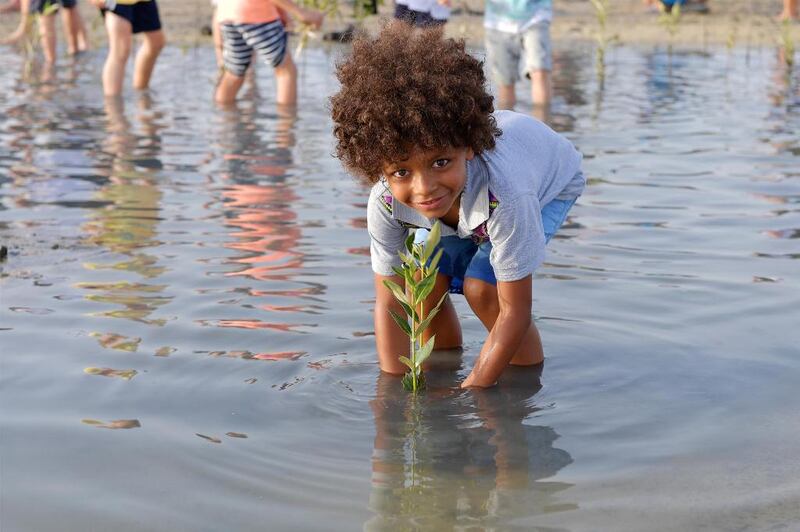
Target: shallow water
<point>185,316</point>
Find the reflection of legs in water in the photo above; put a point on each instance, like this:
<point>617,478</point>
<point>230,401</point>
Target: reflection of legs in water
<point>433,465</point>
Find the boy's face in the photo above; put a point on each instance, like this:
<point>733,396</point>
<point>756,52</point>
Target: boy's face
<point>430,181</point>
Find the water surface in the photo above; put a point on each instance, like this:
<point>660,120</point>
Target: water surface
<point>185,315</point>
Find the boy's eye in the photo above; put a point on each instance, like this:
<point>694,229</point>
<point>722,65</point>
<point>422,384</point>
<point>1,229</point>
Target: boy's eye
<point>400,173</point>
<point>441,163</point>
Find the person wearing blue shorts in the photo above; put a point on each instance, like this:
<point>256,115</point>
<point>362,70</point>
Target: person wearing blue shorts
<point>413,118</point>
<point>45,11</point>
<point>123,19</point>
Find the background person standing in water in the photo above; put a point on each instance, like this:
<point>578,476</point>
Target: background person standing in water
<point>519,30</point>
<point>123,19</point>
<point>74,28</point>
<point>249,26</point>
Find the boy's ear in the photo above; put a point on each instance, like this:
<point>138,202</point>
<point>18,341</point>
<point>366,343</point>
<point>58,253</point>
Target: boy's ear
<point>469,154</point>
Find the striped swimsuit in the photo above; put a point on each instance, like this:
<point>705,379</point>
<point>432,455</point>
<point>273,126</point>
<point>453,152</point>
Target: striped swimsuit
<point>240,40</point>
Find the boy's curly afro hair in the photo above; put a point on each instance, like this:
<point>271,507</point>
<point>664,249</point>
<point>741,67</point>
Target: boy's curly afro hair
<point>409,88</point>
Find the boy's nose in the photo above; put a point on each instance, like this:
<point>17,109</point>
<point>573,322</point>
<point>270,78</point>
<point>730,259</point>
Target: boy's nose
<point>424,184</point>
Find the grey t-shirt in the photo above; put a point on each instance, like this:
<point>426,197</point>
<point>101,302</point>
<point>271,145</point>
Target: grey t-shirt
<point>530,166</point>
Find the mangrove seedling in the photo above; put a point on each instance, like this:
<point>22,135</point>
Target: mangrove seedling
<point>420,265</point>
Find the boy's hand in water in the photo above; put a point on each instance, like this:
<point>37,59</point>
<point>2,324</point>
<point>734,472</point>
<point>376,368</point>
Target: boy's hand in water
<point>15,37</point>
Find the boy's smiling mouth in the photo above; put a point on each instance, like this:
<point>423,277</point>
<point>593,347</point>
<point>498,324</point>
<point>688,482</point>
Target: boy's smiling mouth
<point>432,204</point>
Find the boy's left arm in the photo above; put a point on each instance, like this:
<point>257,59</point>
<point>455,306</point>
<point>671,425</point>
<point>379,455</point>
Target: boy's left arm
<point>513,320</point>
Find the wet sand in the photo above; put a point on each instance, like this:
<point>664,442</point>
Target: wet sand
<point>731,23</point>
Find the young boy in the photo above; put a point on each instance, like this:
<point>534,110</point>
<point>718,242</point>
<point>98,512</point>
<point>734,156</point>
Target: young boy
<point>74,27</point>
<point>413,118</point>
<point>257,25</point>
<point>514,29</point>
<point>123,19</point>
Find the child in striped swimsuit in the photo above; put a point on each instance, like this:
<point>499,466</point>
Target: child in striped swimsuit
<point>258,25</point>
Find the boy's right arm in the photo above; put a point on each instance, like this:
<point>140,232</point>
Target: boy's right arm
<point>390,340</point>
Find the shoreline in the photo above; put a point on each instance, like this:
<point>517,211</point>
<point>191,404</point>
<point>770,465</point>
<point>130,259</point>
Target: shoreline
<point>735,24</point>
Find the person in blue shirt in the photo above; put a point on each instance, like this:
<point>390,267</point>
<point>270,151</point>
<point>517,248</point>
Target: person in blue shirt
<point>517,38</point>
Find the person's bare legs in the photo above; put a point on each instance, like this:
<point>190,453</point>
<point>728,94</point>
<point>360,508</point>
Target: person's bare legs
<point>74,30</point>
<point>789,10</point>
<point>227,88</point>
<point>120,37</point>
<point>506,97</point>
<point>286,81</point>
<point>47,32</point>
<point>541,87</point>
<point>482,298</point>
<point>152,44</point>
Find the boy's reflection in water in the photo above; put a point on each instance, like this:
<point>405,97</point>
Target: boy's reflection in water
<point>449,457</point>
<point>127,225</point>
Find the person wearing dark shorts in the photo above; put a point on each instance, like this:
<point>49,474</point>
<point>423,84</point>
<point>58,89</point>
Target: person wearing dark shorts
<point>46,9</point>
<point>123,19</point>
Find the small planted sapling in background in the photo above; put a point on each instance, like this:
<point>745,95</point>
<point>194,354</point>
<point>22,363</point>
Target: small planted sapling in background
<point>419,269</point>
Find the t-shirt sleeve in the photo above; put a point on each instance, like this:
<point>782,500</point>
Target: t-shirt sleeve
<point>517,237</point>
<point>386,236</point>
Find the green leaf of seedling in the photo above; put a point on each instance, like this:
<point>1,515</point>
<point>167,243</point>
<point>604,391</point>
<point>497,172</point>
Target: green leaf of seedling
<point>397,292</point>
<point>399,270</point>
<point>410,243</point>
<point>425,352</point>
<point>439,304</point>
<point>434,264</point>
<point>432,241</point>
<point>401,321</point>
<point>407,362</point>
<point>426,322</point>
<point>424,288</point>
<point>407,259</point>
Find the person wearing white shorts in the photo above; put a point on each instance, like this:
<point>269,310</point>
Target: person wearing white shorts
<point>517,38</point>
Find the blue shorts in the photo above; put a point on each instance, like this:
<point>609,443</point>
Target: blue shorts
<point>463,258</point>
<point>142,16</point>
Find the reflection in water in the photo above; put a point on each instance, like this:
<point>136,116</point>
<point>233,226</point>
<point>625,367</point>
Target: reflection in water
<point>127,225</point>
<point>448,456</point>
<point>126,374</point>
<point>116,424</point>
<point>258,203</point>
